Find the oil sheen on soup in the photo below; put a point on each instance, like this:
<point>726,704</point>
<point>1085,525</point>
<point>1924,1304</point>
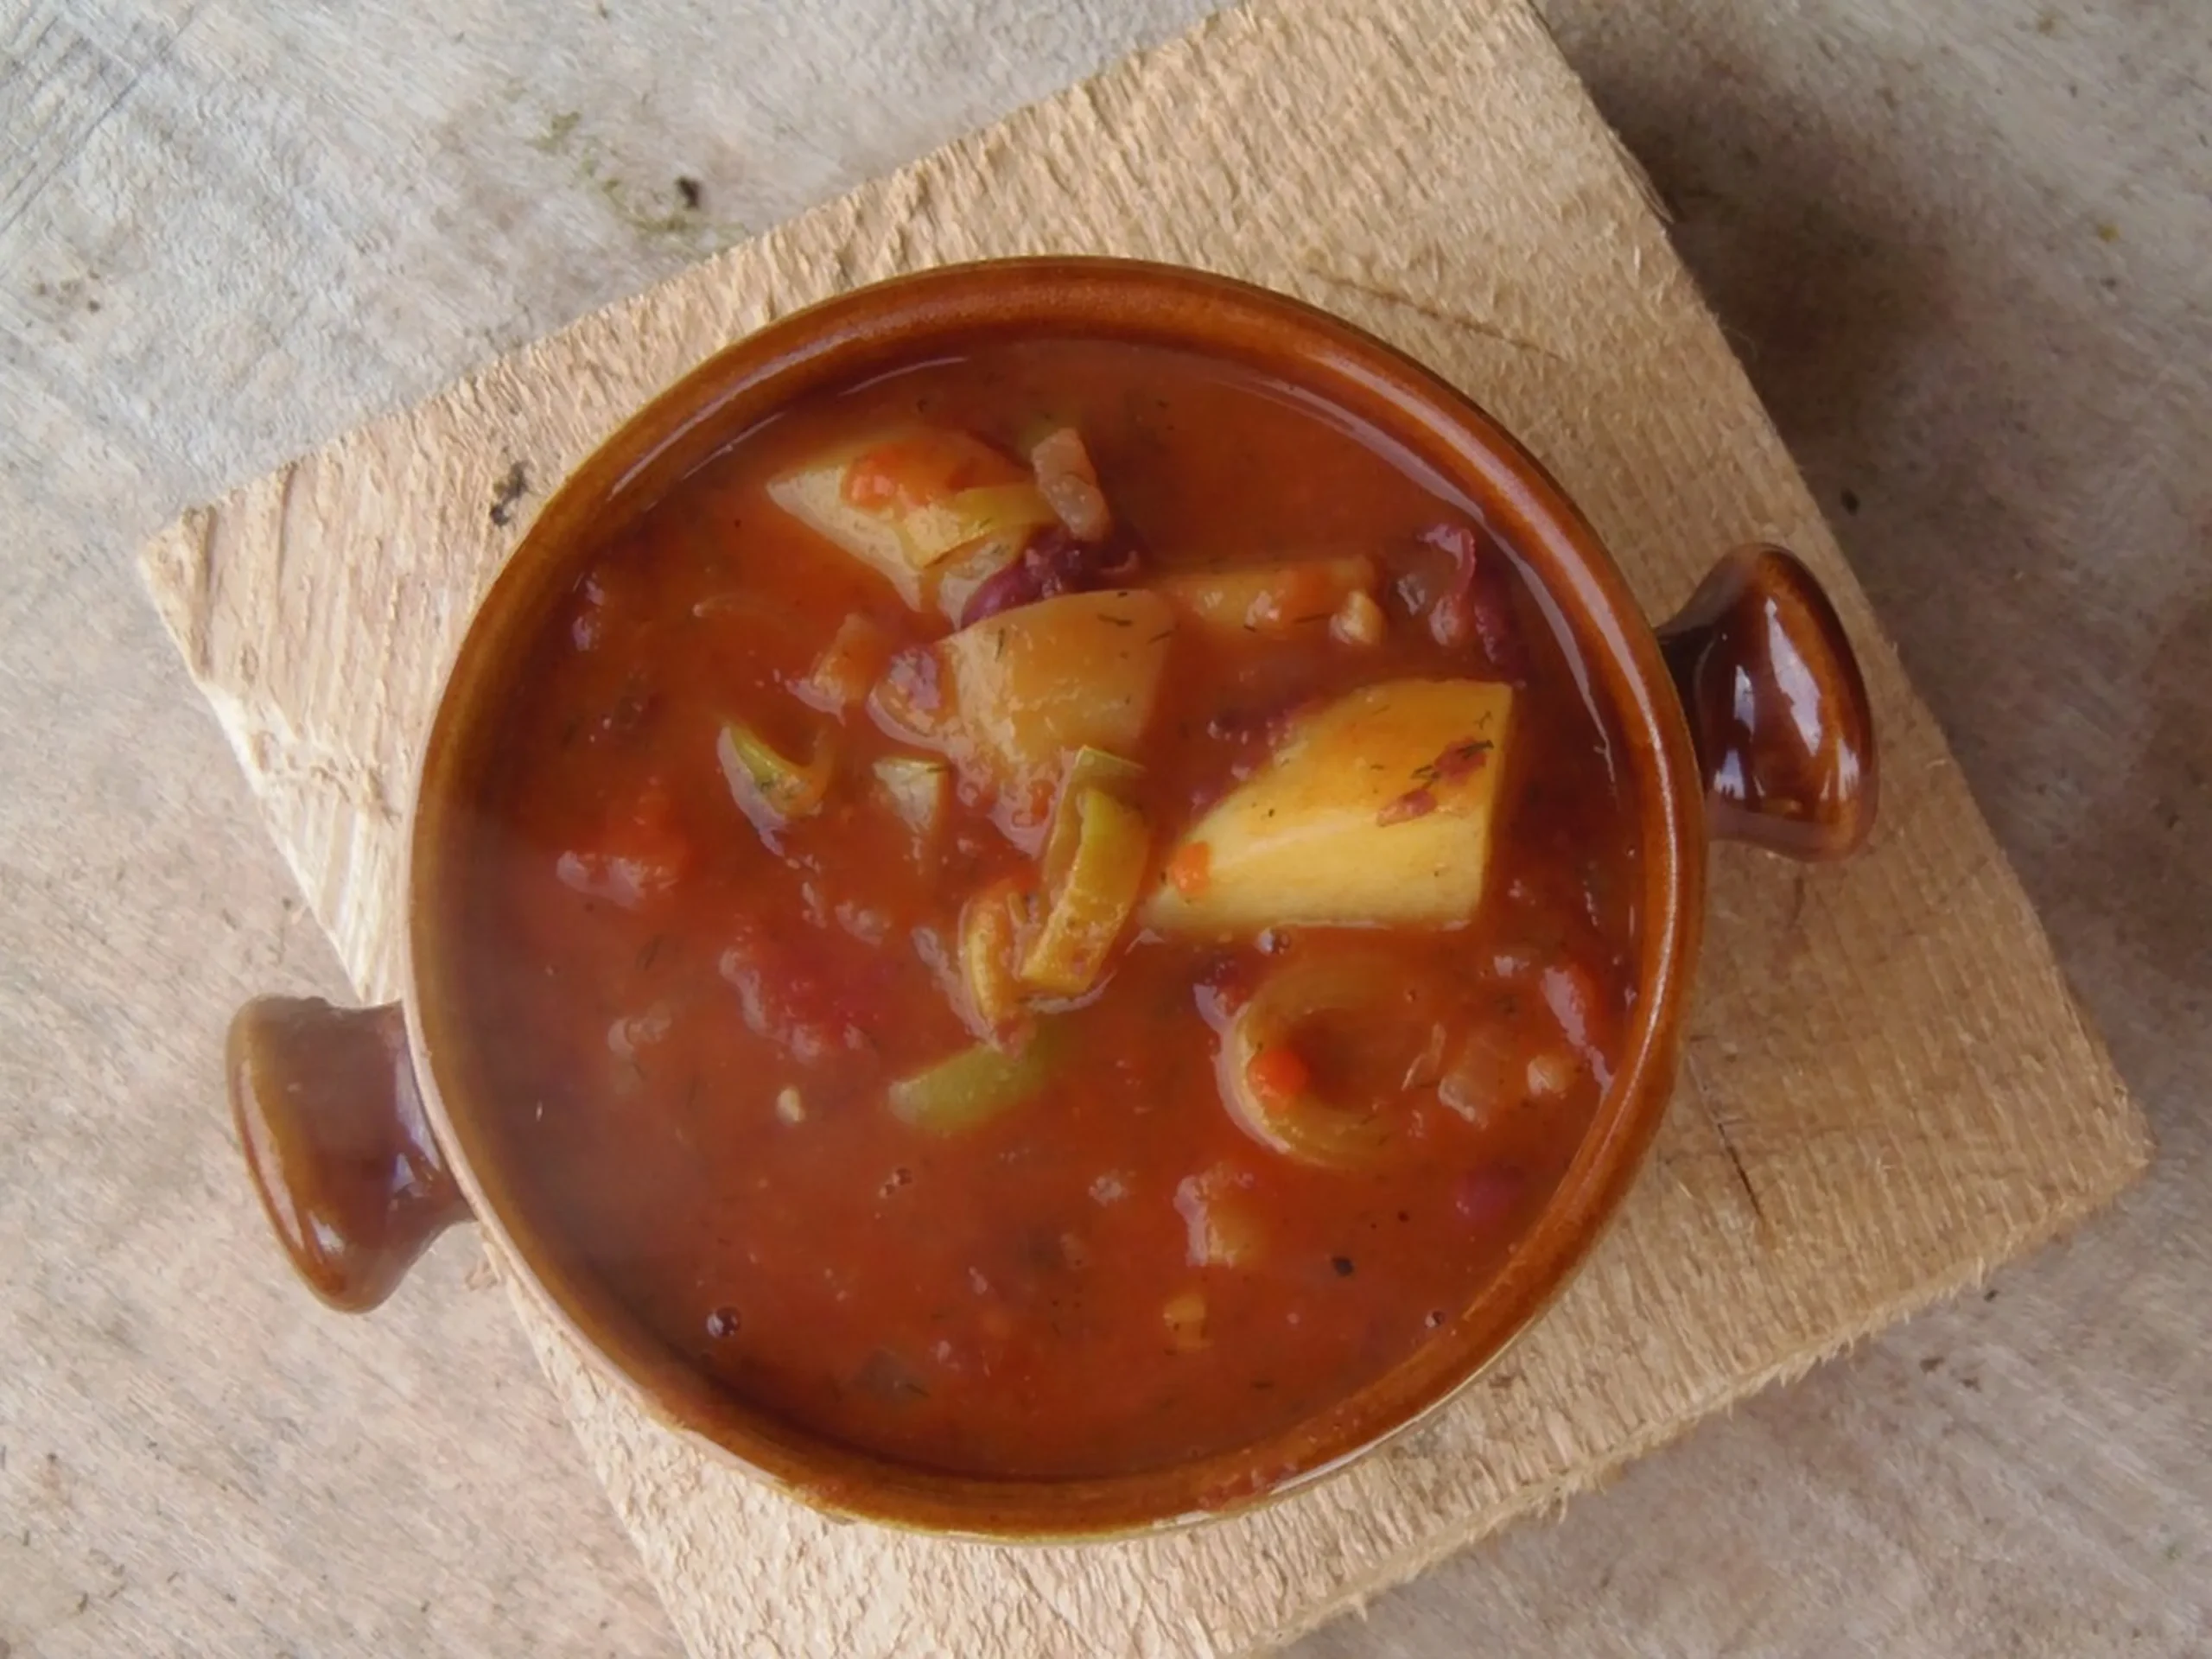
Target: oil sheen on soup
<point>1050,915</point>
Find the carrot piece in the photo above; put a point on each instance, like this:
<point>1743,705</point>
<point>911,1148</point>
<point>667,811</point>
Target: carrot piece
<point>1190,868</point>
<point>1278,1076</point>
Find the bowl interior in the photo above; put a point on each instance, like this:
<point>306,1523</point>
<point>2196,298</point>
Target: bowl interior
<point>1459,450</point>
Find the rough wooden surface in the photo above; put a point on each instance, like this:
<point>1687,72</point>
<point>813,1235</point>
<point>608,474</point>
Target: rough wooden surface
<point>1886,1090</point>
<point>1963,247</point>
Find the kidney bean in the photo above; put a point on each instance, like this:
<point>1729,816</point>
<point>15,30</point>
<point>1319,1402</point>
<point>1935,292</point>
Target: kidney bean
<point>1477,608</point>
<point>1053,564</point>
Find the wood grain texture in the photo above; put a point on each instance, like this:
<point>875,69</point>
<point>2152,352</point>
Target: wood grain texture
<point>1887,1089</point>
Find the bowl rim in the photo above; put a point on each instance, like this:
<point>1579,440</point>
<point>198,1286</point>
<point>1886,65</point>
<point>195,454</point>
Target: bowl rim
<point>903,322</point>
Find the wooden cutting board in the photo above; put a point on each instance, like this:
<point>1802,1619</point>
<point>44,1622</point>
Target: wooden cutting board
<point>1887,1089</point>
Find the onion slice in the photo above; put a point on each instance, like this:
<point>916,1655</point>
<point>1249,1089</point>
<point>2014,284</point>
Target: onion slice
<point>1300,1120</point>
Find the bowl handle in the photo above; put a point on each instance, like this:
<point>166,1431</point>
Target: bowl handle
<point>332,1122</point>
<point>1776,708</point>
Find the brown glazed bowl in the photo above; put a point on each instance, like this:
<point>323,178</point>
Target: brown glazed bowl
<point>1744,716</point>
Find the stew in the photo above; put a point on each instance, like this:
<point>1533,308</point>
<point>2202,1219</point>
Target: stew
<point>1052,914</point>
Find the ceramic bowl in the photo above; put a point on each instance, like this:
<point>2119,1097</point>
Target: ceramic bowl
<point>1744,718</point>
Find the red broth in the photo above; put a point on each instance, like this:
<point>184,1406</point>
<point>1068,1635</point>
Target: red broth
<point>696,986</point>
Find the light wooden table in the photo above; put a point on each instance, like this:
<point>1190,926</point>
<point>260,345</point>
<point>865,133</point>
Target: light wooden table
<point>1968,250</point>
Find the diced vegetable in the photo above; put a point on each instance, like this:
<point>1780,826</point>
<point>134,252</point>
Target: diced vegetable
<point>1087,768</point>
<point>1276,602</point>
<point>626,879</point>
<point>915,468</point>
<point>1551,1074</point>
<point>848,667</point>
<point>1092,870</point>
<point>631,1034</point>
<point>1069,482</point>
<point>866,923</point>
<point>1358,621</point>
<point>1219,1209</point>
<point>973,1087</point>
<point>1277,1077</point>
<point>1476,607</point>
<point>991,926</point>
<point>920,791</point>
<point>1089,904</point>
<point>1426,1067</point>
<point>1007,698</point>
<point>1054,563</point>
<point>1483,1075</point>
<point>903,502</point>
<point>1270,1085</point>
<point>957,585</point>
<point>1374,809</point>
<point>640,853</point>
<point>1185,1316</point>
<point>910,697</point>
<point>770,788</point>
<point>815,995</point>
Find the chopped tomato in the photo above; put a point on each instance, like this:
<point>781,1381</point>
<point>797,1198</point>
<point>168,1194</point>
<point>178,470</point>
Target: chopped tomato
<point>812,994</point>
<point>640,853</point>
<point>918,470</point>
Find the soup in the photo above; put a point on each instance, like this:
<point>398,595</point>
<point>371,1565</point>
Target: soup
<point>1050,915</point>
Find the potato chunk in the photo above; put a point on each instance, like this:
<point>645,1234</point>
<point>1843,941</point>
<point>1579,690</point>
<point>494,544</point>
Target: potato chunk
<point>906,501</point>
<point>1374,809</point>
<point>1010,696</point>
<point>1276,602</point>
